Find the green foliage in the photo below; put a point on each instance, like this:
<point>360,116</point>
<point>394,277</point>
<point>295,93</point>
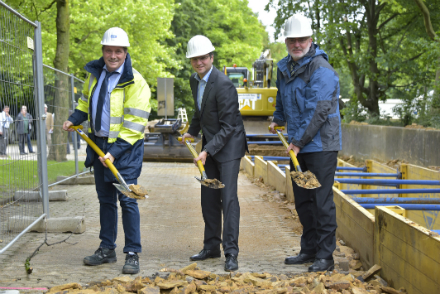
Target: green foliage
<point>278,52</point>
<point>381,45</point>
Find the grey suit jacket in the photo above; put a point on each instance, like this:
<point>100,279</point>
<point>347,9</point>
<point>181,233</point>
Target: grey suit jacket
<point>219,119</point>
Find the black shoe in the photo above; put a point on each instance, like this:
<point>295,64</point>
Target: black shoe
<point>131,264</point>
<point>300,258</point>
<point>31,152</point>
<point>205,254</point>
<point>23,153</point>
<point>102,255</point>
<point>322,265</point>
<point>231,263</point>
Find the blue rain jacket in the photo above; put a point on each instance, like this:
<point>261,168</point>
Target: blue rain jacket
<point>308,103</point>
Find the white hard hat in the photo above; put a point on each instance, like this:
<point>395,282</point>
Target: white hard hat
<point>198,45</point>
<point>45,106</point>
<point>297,26</point>
<point>115,37</point>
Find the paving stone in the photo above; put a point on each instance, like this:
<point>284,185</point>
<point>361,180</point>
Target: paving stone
<point>171,227</point>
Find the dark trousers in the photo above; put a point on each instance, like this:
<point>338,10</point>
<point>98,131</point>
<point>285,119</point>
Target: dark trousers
<point>108,196</point>
<point>4,138</point>
<point>29,143</point>
<point>316,209</point>
<point>216,200</point>
<point>22,142</point>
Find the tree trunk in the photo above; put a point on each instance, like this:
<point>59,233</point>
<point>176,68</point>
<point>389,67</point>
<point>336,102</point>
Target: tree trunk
<point>62,83</point>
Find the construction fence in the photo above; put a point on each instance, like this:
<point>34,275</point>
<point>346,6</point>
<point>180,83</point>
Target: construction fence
<point>35,153</point>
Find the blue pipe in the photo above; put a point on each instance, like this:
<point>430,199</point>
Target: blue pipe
<point>378,182</point>
<point>406,206</point>
<point>351,168</point>
<point>366,175</point>
<point>266,142</point>
<point>436,231</point>
<point>406,200</point>
<point>391,191</point>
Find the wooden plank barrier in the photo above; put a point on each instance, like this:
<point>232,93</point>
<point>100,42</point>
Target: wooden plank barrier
<point>409,254</point>
<point>275,177</point>
<point>289,189</point>
<point>260,169</point>
<point>348,186</point>
<point>377,167</point>
<point>248,166</point>
<point>355,227</point>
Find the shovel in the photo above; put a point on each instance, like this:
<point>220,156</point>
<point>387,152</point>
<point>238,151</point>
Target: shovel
<point>213,184</point>
<point>306,180</point>
<point>136,191</point>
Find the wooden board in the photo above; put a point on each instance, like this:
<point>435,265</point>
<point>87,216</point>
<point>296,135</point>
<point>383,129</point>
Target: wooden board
<point>289,188</point>
<point>409,250</point>
<point>376,167</point>
<point>430,219</point>
<point>355,227</point>
<point>260,169</point>
<point>248,166</point>
<point>276,177</point>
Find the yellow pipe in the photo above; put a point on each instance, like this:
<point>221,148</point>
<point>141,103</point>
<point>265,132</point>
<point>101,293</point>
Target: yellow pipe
<point>98,151</point>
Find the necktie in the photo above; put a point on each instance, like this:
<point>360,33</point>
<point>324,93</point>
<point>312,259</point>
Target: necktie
<point>101,99</point>
<point>292,68</point>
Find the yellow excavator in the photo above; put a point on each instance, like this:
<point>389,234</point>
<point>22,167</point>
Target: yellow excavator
<point>256,97</point>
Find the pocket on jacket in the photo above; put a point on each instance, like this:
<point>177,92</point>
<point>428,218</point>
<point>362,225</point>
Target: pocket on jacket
<point>330,134</point>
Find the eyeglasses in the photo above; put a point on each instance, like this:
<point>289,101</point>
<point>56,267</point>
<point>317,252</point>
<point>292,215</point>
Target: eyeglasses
<point>201,58</point>
<point>299,40</point>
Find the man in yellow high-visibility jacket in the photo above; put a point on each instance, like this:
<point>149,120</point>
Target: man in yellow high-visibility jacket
<point>116,103</point>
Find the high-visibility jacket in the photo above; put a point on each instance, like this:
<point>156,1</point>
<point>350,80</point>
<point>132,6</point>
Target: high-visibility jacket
<point>129,111</point>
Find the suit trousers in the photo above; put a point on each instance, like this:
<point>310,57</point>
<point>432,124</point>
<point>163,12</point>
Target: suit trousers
<point>316,208</point>
<point>108,197</point>
<point>215,200</point>
<point>4,138</point>
<point>22,142</point>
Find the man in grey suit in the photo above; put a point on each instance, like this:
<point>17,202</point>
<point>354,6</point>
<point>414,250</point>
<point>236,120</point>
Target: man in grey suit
<point>224,143</point>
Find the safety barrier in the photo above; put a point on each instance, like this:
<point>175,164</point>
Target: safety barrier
<point>407,252</point>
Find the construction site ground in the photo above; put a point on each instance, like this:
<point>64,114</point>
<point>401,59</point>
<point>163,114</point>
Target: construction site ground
<point>172,230</point>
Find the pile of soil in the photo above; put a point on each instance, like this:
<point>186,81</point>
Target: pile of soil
<point>353,161</point>
<point>306,180</point>
<point>267,150</point>
<point>191,279</point>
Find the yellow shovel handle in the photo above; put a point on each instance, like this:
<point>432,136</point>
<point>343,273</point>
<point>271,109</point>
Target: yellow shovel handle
<point>92,144</point>
<point>195,154</point>
<point>291,153</point>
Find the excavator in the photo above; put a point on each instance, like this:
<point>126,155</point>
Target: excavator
<point>257,97</point>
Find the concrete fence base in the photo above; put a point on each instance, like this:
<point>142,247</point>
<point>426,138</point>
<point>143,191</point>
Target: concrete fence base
<point>75,224</point>
<point>59,195</point>
<point>88,180</point>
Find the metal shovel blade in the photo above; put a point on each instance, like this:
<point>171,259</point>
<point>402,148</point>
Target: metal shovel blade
<point>306,180</point>
<point>213,184</point>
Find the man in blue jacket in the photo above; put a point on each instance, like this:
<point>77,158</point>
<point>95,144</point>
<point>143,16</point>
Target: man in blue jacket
<point>307,100</point>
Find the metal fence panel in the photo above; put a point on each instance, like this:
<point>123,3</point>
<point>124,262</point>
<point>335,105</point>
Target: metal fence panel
<point>61,92</point>
<point>20,179</point>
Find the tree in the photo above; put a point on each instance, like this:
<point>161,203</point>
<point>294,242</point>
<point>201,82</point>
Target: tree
<point>381,46</point>
<point>77,33</point>
<point>234,30</point>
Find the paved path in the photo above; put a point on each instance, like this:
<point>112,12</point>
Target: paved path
<point>172,230</point>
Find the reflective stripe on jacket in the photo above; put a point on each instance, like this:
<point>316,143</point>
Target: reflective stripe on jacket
<point>308,102</point>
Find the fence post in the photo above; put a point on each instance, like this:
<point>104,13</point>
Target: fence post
<point>75,137</point>
<point>41,130</point>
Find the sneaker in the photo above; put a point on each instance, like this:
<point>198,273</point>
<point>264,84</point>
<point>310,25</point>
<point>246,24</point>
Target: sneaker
<point>131,264</point>
<point>102,255</point>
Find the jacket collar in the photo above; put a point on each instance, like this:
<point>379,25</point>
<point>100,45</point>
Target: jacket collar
<point>314,51</point>
<point>95,67</point>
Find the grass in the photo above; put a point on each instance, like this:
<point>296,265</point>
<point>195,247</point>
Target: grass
<point>23,174</point>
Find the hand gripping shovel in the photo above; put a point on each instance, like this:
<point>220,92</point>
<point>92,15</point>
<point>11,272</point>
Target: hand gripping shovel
<point>134,191</point>
<point>306,180</point>
<point>213,184</point>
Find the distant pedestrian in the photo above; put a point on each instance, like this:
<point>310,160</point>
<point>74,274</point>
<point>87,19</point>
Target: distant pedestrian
<point>307,100</point>
<point>49,126</point>
<point>5,121</point>
<point>23,129</point>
